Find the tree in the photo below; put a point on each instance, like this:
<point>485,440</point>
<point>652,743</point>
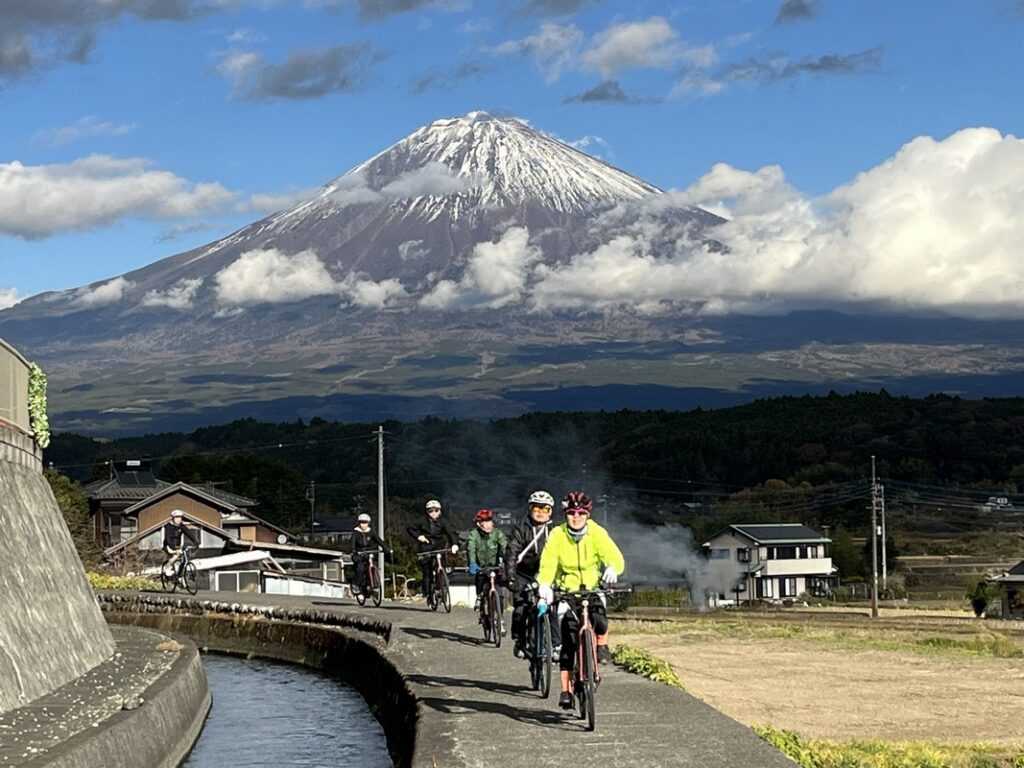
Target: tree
<point>74,506</point>
<point>845,556</point>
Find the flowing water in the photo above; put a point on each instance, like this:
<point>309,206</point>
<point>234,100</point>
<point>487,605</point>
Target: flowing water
<point>274,715</point>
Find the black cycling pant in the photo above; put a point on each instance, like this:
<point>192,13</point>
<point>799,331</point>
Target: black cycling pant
<point>362,572</point>
<point>571,628</point>
<point>427,566</point>
<point>521,605</point>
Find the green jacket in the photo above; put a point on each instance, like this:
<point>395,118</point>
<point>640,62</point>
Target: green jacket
<point>487,550</point>
<point>571,566</point>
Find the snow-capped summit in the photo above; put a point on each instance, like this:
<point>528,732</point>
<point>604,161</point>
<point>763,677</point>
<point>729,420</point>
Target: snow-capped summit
<point>502,161</point>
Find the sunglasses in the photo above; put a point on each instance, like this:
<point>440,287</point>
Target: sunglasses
<point>576,512</point>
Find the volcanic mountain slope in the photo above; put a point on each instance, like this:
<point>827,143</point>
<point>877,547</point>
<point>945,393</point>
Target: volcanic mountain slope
<point>411,285</point>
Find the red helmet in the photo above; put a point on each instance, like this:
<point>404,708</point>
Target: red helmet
<point>577,500</point>
<point>482,515</point>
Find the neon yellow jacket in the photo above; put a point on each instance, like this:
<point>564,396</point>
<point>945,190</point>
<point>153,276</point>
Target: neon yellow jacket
<point>570,566</point>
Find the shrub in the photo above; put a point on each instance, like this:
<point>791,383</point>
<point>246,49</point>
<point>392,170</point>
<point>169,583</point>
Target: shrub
<point>105,581</point>
<point>642,663</point>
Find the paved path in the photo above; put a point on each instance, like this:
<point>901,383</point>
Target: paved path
<point>481,712</point>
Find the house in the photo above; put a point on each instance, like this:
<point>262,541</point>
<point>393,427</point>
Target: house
<point>132,498</point>
<point>769,561</point>
<point>333,530</point>
<point>228,563</point>
<point>1011,588</point>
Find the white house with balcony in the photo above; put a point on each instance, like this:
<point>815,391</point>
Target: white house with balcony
<point>770,561</point>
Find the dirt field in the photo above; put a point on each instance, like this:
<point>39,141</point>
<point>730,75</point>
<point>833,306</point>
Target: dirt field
<point>846,683</point>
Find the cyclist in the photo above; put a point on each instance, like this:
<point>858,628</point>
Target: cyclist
<point>522,560</point>
<point>364,543</point>
<point>431,534</point>
<point>174,531</point>
<point>486,547</point>
<point>579,555</point>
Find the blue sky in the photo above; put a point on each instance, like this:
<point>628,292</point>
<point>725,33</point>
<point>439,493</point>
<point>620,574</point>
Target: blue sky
<point>262,99</point>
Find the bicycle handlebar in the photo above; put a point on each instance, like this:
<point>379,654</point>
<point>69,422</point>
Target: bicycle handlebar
<point>579,594</point>
<point>432,552</point>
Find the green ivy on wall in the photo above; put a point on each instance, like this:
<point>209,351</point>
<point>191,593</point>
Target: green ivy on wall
<point>37,405</point>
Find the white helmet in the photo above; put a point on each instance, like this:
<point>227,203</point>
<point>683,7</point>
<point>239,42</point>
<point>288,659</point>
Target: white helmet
<point>433,504</point>
<point>542,497</point>
<point>363,518</point>
<point>177,513</point>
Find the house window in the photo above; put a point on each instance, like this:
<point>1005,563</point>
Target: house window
<point>129,527</point>
<point>719,554</point>
<point>784,553</point>
<point>765,588</point>
<point>743,555</point>
<point>787,587</point>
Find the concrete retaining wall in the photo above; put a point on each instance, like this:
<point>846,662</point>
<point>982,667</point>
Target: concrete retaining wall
<point>51,629</point>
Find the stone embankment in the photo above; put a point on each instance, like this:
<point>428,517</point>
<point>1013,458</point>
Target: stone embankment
<point>446,699</point>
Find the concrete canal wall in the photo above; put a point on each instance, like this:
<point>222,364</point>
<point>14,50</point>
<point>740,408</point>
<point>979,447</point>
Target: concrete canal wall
<point>351,647</point>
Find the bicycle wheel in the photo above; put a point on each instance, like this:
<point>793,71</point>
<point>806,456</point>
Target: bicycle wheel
<point>378,589</point>
<point>168,583</point>
<point>485,621</point>
<point>544,655</point>
<point>191,578</point>
<point>587,650</point>
<point>445,593</point>
<point>530,646</point>
<point>495,611</point>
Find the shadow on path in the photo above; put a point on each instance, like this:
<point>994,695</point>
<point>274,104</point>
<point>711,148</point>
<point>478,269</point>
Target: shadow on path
<point>442,634</point>
<point>542,717</point>
<point>435,681</point>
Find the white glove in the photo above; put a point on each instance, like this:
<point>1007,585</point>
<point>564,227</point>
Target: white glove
<point>610,576</point>
<point>545,593</point>
<point>423,539</point>
<point>455,549</point>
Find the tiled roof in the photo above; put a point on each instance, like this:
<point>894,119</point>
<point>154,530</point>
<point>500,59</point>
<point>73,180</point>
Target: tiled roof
<point>114,490</point>
<point>779,532</point>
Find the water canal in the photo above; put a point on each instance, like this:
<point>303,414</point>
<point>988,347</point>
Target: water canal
<point>272,715</point>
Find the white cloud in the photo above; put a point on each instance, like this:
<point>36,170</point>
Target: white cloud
<point>649,44</point>
<point>271,203</point>
<point>595,146</point>
<point>269,277</point>
<point>86,127</point>
<point>352,189</point>
<point>554,48</point>
<point>935,227</point>
<point>8,297</point>
<point>178,296</point>
<point>272,277</point>
<point>110,292</point>
<point>42,200</point>
<point>367,293</point>
<point>433,178</point>
<point>412,249</point>
<point>495,276</point>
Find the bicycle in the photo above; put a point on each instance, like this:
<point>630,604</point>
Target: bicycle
<point>439,594</point>
<point>185,574</point>
<point>492,609</point>
<point>374,583</point>
<point>538,644</point>
<point>586,674</point>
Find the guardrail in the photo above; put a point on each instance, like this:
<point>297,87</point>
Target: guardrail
<point>17,444</point>
<point>14,388</point>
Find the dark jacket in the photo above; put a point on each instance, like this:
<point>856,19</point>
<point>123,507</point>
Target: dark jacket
<point>525,544</point>
<point>435,530</point>
<point>173,534</point>
<point>361,542</point>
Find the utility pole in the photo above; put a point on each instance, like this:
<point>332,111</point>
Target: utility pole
<point>885,570</point>
<point>874,541</point>
<point>380,496</point>
<point>311,495</point>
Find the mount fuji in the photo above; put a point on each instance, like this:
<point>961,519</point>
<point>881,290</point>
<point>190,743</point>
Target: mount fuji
<point>434,278</point>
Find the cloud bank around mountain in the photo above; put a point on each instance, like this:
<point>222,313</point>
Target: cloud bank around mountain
<point>110,292</point>
<point>178,296</point>
<point>936,227</point>
<point>8,297</point>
